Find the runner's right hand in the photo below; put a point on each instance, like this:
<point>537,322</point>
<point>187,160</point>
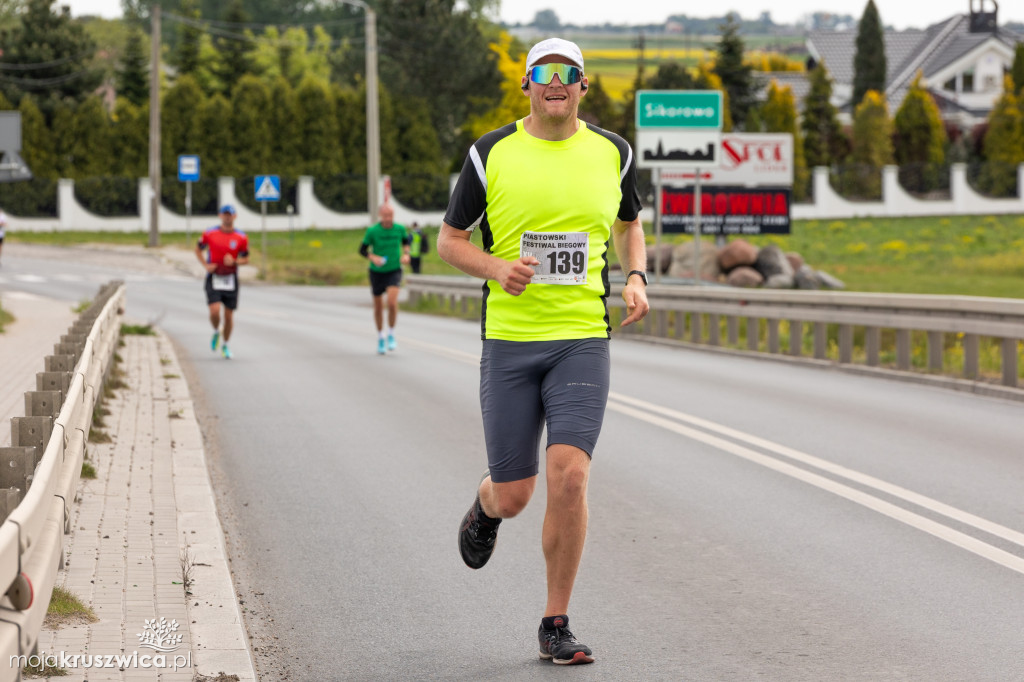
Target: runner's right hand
<point>516,274</point>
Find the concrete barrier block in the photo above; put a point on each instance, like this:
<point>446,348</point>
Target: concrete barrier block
<point>72,349</point>
<point>31,431</point>
<point>9,499</point>
<point>59,363</point>
<point>42,403</point>
<point>17,466</point>
<point>54,381</point>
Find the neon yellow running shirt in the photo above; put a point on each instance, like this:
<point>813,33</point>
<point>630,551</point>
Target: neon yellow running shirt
<point>556,200</point>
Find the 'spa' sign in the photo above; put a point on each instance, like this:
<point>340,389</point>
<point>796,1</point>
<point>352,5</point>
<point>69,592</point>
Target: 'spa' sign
<point>746,159</point>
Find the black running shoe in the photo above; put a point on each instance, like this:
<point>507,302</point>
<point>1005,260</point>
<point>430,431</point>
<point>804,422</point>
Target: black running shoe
<point>559,645</point>
<point>477,535</point>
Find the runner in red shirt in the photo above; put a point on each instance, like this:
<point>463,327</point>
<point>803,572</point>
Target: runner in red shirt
<point>226,248</point>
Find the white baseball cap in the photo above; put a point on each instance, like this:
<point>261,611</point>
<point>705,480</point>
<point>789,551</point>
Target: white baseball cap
<point>563,48</point>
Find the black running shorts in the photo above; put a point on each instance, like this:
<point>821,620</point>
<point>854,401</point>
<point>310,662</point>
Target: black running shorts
<point>380,281</point>
<point>218,294</point>
<point>525,385</point>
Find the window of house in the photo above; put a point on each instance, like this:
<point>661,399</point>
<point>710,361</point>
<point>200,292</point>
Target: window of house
<point>968,81</point>
<point>950,84</point>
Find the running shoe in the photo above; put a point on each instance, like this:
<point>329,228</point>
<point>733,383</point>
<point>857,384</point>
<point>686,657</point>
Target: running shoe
<point>225,351</point>
<point>381,349</point>
<point>392,344</point>
<point>558,644</point>
<point>477,535</point>
<point>215,340</point>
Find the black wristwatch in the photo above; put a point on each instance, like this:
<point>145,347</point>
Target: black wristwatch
<point>643,275</point>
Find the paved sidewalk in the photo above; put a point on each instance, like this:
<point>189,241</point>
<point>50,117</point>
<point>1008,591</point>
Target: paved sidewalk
<point>144,526</point>
<point>39,323</point>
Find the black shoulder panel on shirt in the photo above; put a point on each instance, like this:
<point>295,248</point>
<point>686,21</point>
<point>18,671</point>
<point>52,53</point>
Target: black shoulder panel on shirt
<point>618,141</point>
<point>487,142</point>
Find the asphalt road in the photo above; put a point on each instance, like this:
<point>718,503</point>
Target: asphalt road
<point>749,519</point>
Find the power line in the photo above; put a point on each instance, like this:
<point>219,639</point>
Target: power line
<point>36,66</point>
<point>209,28</point>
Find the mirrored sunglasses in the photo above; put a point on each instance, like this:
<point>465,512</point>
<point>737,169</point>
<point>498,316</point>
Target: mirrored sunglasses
<point>567,74</point>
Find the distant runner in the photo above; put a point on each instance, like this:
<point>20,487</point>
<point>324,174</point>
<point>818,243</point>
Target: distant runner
<point>419,246</point>
<point>226,248</point>
<point>386,246</point>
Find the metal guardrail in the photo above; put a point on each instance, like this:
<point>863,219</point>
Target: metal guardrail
<point>50,444</point>
<point>831,322</point>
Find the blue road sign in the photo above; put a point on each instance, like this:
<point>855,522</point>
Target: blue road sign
<point>268,188</point>
<point>188,168</point>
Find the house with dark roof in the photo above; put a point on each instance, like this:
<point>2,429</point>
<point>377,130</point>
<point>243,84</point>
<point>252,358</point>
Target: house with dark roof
<point>962,61</point>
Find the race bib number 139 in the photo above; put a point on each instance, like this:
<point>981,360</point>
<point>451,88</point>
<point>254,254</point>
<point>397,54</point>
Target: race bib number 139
<point>563,256</point>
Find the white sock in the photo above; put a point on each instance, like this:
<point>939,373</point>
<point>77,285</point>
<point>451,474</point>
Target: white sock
<point>391,331</point>
<point>381,333</point>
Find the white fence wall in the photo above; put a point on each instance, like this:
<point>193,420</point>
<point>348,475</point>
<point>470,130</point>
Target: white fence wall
<point>896,202</point>
<point>310,213</point>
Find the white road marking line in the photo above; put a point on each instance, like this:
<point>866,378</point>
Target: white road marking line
<point>461,356</point>
<point>954,537</point>
<point>909,518</point>
<point>923,501</point>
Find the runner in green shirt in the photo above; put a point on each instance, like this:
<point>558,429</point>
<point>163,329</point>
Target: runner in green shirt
<point>386,246</point>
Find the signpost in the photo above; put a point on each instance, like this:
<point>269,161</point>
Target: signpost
<point>678,129</point>
<point>188,172</point>
<point>268,188</point>
<point>750,190</point>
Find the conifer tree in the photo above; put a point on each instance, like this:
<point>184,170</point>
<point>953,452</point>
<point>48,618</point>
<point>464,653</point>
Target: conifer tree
<point>281,117</point>
<point>178,131</point>
<point>185,56</point>
<point>62,129</point>
<point>91,149</point>
<point>780,116</point>
<point>824,142</point>
<point>1017,70</point>
<point>316,128</point>
<point>735,74</point>
<point>598,108</point>
<point>133,72</point>
<point>46,36</point>
<point>869,62</point>
<point>215,137</point>
<point>920,134</point>
<point>37,143</point>
<point>249,102</point>
<point>872,143</point>
<point>234,63</point>
<point>1003,145</point>
<point>130,139</point>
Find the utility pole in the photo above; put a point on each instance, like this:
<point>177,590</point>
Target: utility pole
<point>372,116</point>
<point>154,129</point>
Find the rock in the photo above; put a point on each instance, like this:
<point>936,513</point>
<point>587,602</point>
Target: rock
<point>828,281</point>
<point>771,261</point>
<point>807,278</point>
<point>796,261</point>
<point>744,276</point>
<point>682,266</point>
<point>780,281</point>
<point>664,251</point>
<point>735,253</point>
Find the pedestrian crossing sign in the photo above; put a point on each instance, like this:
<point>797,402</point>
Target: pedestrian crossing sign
<point>268,188</point>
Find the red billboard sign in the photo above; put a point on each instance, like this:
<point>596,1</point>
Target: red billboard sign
<point>727,210</point>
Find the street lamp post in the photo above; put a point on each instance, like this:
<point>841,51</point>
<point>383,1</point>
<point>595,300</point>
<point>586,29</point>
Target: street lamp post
<point>372,114</point>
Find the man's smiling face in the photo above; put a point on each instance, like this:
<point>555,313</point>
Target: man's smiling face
<point>555,101</point>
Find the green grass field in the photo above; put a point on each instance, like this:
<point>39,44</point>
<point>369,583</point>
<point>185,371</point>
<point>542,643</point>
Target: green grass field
<point>960,255</point>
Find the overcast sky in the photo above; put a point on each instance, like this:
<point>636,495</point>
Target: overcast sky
<point>899,13</point>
